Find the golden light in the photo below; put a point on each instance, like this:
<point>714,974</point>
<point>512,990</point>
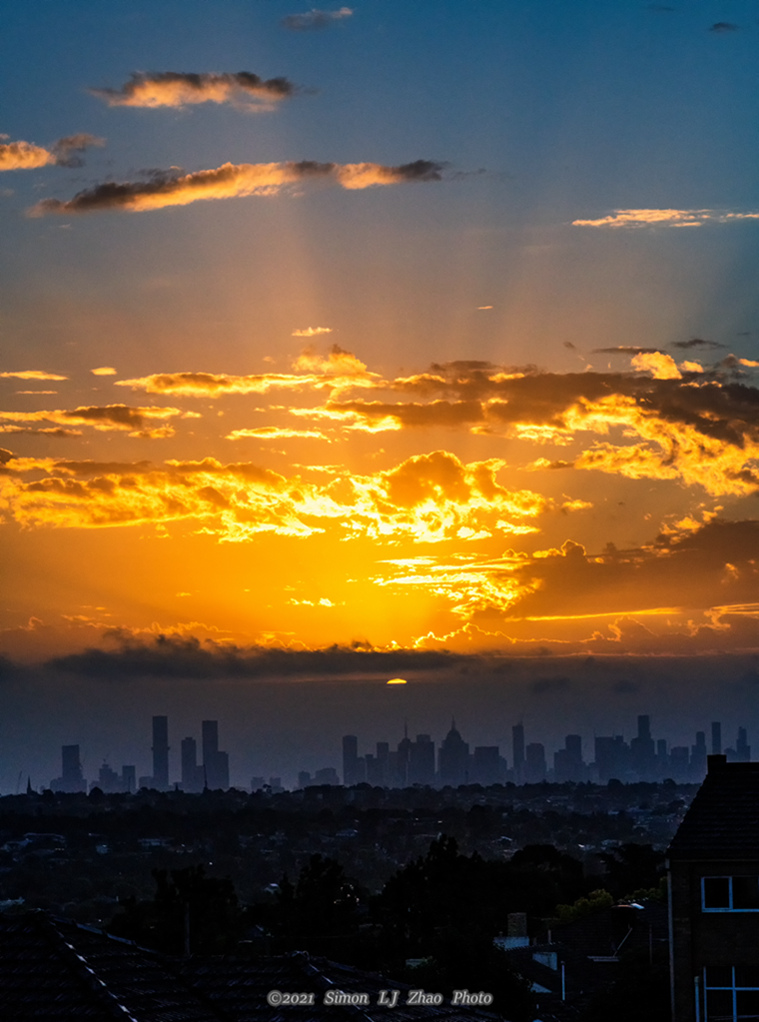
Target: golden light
<point>397,681</point>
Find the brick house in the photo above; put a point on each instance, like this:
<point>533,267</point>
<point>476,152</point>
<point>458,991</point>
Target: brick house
<point>713,866</point>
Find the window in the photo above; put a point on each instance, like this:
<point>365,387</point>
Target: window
<point>731,993</point>
<point>730,894</point>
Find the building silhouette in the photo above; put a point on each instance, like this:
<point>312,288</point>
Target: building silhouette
<point>215,762</point>
<point>71,779</point>
<point>453,759</point>
<point>192,773</point>
<point>161,753</point>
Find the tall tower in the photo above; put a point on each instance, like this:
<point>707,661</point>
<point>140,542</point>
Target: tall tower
<point>161,753</point>
<point>517,734</point>
<point>716,738</point>
<point>215,762</point>
<point>350,761</point>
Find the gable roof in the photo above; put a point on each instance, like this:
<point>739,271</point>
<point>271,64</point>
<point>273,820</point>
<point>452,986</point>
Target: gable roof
<point>722,822</point>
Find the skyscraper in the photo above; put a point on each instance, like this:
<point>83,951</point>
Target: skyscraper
<point>517,734</point>
<point>71,778</point>
<point>161,753</point>
<point>192,774</point>
<point>215,762</point>
<point>453,759</point>
<point>354,768</point>
<point>716,738</point>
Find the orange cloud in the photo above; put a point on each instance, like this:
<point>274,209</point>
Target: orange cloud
<point>664,218</point>
<point>429,498</point>
<point>276,433</point>
<point>232,181</point>
<point>335,370</point>
<point>103,371</point>
<point>66,152</point>
<point>312,331</point>
<point>176,89</point>
<point>32,374</point>
<point>660,365</point>
<point>104,417</point>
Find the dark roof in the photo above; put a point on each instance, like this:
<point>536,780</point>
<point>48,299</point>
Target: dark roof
<point>58,971</point>
<point>723,819</point>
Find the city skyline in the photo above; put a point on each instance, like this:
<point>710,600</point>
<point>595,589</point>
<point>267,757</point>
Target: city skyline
<point>381,343</point>
<point>419,761</point>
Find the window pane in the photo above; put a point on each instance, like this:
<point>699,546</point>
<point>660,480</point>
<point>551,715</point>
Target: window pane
<point>747,1003</point>
<point>719,1006</point>
<point>719,975</point>
<point>747,976</point>
<point>746,892</point>
<point>716,892</point>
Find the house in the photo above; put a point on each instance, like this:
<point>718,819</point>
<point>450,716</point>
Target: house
<point>713,866</point>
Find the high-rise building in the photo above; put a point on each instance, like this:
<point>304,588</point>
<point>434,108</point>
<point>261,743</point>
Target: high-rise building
<point>698,757</point>
<point>612,758</point>
<point>215,762</point>
<point>421,765</point>
<point>486,765</point>
<point>742,748</point>
<point>192,774</point>
<point>71,779</point>
<point>716,738</point>
<point>517,735</point>
<point>534,763</point>
<point>643,751</point>
<point>129,778</point>
<point>453,759</point>
<point>354,768</point>
<point>161,753</point>
<point>568,764</point>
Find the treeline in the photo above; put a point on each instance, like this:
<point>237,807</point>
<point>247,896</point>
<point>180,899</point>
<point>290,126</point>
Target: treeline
<point>442,909</point>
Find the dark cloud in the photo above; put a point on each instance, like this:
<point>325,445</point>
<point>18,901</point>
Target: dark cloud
<point>171,656</point>
<point>68,151</point>
<point>715,563</point>
<point>723,26</point>
<point>625,349</point>
<point>315,19</point>
<point>178,89</point>
<point>696,342</point>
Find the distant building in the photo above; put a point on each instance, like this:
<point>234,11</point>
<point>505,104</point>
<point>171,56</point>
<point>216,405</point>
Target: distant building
<point>517,737</point>
<point>535,768</point>
<point>215,762</point>
<point>453,759</point>
<point>486,765</point>
<point>192,773</point>
<point>71,779</point>
<point>421,766</point>
<point>161,753</point>
<point>713,864</point>
<point>354,769</point>
<point>568,763</point>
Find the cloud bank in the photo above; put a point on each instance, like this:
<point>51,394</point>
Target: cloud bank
<point>233,181</point>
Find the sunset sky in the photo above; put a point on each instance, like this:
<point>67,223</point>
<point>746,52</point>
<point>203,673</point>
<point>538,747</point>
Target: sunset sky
<point>380,329</point>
